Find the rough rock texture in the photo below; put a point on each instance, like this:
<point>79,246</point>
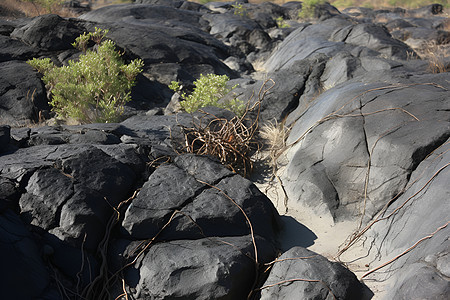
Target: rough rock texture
<point>22,94</point>
<point>371,138</point>
<point>425,269</point>
<point>172,188</point>
<point>368,141</point>
<point>219,268</point>
<point>49,32</point>
<point>312,277</point>
<point>20,256</point>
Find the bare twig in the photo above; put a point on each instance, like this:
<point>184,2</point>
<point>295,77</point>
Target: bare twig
<point>231,141</point>
<point>242,211</point>
<point>406,251</point>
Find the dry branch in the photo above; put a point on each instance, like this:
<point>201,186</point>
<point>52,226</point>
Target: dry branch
<point>406,251</point>
<point>231,141</point>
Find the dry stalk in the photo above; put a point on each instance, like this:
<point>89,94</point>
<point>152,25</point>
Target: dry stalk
<point>231,141</point>
<point>406,251</point>
<point>379,217</point>
<point>99,288</point>
<point>436,55</point>
<point>276,135</point>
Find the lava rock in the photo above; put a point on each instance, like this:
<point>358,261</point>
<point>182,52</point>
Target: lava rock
<point>313,276</point>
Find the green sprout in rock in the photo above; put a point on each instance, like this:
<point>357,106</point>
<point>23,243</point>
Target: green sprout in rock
<point>207,92</point>
<point>308,8</point>
<point>281,23</point>
<point>239,9</point>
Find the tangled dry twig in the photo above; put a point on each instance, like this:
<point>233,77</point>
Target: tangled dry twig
<point>230,140</point>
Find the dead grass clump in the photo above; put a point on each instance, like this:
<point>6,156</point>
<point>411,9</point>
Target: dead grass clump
<point>230,140</point>
<point>19,9</point>
<point>275,135</point>
<point>436,55</point>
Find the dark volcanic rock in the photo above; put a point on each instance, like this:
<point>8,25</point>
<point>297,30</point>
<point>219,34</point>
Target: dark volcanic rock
<point>20,260</point>
<point>69,189</point>
<point>304,42</point>
<point>49,32</point>
<point>329,280</point>
<point>170,189</point>
<point>164,37</point>
<point>5,137</point>
<point>22,94</point>
<point>373,37</point>
<point>11,49</point>
<point>9,194</point>
<point>213,268</point>
<point>369,130</point>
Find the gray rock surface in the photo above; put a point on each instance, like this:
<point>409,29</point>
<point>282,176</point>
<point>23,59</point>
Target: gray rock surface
<point>5,137</point>
<point>215,268</point>
<point>21,258</point>
<point>380,125</point>
<point>22,94</point>
<point>425,268</point>
<point>11,49</point>
<point>165,38</point>
<point>49,32</point>
<point>369,126</point>
<point>188,188</point>
<point>303,274</point>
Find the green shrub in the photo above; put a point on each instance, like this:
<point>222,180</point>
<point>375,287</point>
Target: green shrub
<point>308,8</point>
<point>239,9</point>
<point>207,92</point>
<point>281,23</point>
<point>94,88</point>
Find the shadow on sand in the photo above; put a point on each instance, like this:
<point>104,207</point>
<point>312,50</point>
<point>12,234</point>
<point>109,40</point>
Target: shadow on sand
<point>294,234</point>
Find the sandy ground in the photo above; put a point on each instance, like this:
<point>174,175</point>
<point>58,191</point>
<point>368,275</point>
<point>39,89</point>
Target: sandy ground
<point>302,227</point>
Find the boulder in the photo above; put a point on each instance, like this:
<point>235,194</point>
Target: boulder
<point>197,192</point>
<point>49,32</point>
<point>369,121</point>
<point>302,274</point>
<point>291,87</point>
<point>22,94</point>
<point>11,49</point>
<point>423,271</point>
<point>427,11</point>
<point>242,33</point>
<point>9,194</point>
<point>69,190</point>
<point>304,42</point>
<point>373,37</point>
<point>209,268</point>
<point>163,37</point>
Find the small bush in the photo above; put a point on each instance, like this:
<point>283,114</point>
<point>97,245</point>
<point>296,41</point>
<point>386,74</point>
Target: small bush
<point>281,23</point>
<point>308,8</point>
<point>93,89</point>
<point>239,9</point>
<point>207,92</point>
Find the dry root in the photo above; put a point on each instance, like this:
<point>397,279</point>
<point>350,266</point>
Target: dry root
<point>230,140</point>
